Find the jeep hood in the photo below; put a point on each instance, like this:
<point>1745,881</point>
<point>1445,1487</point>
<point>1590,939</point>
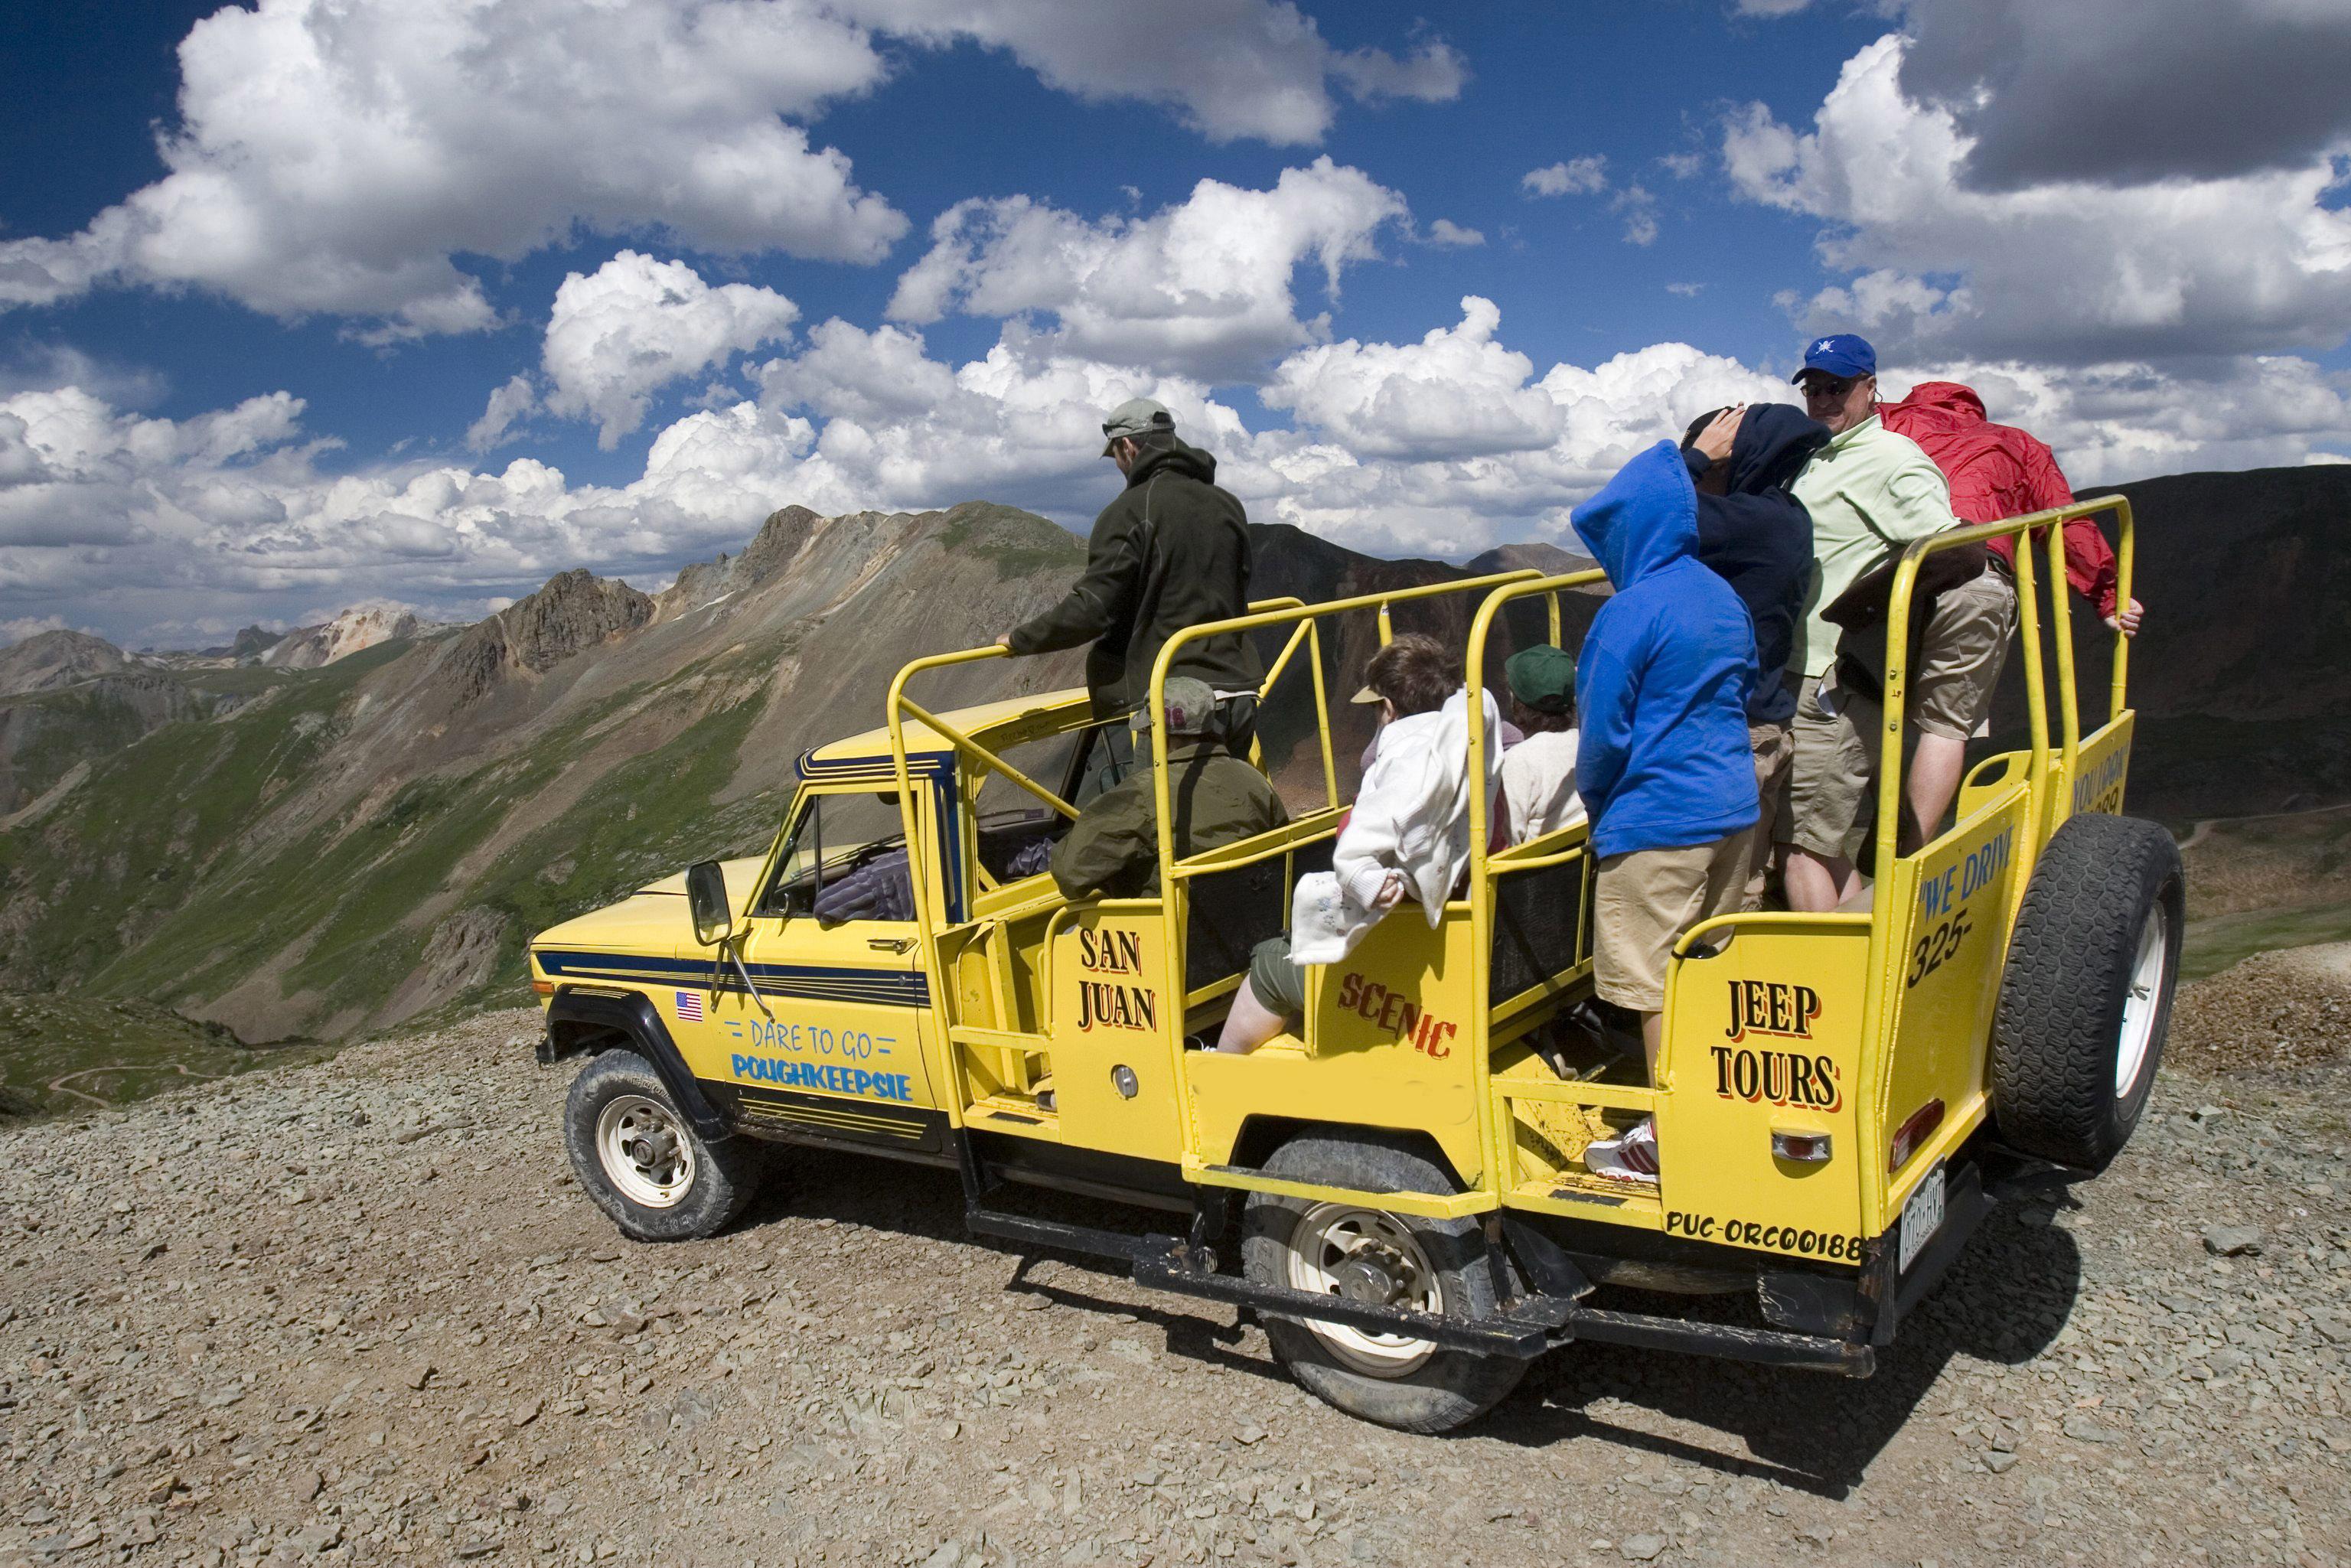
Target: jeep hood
<point>652,920</point>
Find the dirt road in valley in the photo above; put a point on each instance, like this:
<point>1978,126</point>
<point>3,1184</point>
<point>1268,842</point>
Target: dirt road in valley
<point>357,1313</point>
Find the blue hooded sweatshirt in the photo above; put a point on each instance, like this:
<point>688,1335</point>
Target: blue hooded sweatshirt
<point>1661,684</point>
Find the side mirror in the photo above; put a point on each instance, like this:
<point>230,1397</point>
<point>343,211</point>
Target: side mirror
<point>706,900</point>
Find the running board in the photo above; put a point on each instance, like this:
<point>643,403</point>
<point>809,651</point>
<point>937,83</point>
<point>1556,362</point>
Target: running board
<point>1529,1326</point>
<point>1056,1237</point>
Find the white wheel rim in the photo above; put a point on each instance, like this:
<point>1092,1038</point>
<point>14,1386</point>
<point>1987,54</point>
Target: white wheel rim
<point>646,1154</point>
<point>2142,1002</point>
<point>1366,1254</point>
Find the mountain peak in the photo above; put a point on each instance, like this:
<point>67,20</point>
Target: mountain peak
<point>255,640</point>
<point>574,611</point>
<point>360,626</point>
<point>59,658</point>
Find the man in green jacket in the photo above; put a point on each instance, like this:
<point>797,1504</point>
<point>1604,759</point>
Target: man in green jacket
<point>1172,551</point>
<point>1112,847</point>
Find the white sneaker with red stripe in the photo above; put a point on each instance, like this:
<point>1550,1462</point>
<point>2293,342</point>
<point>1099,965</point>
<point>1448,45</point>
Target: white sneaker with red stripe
<point>1631,1156</point>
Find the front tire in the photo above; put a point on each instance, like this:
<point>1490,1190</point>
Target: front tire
<point>2086,1000</point>
<point>639,1160</point>
<point>1433,1265</point>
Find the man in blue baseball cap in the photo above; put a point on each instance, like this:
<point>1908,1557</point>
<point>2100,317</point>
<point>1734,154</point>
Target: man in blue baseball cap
<point>1870,492</point>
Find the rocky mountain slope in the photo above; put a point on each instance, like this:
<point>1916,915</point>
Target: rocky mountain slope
<point>358,1313</point>
<point>2242,678</point>
<point>47,733</point>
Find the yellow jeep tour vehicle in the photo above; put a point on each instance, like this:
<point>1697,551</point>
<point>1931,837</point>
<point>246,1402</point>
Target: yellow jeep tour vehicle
<point>1399,1192</point>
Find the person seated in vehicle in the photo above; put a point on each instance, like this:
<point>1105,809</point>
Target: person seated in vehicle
<point>1112,847</point>
<point>1538,773</point>
<point>1664,766</point>
<point>1171,552</point>
<point>1408,834</point>
<point>1758,537</point>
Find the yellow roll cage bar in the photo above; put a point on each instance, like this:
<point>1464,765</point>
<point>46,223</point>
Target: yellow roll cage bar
<point>1500,589</point>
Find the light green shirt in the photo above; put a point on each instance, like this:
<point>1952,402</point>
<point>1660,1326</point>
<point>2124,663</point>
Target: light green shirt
<point>1870,492</point>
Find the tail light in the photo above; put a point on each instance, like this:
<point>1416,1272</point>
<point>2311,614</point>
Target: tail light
<point>1804,1149</point>
<point>1910,1134</point>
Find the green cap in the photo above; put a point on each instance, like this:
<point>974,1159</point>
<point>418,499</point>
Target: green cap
<point>1136,416</point>
<point>1542,677</point>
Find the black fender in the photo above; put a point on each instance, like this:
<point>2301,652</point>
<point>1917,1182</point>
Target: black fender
<point>631,1016</point>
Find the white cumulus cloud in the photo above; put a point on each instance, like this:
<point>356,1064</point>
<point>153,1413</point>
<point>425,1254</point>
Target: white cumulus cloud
<point>334,155</point>
<point>2053,272</point>
<point>1640,210</point>
<point>1455,393</point>
<point>507,404</point>
<point>1202,287</point>
<point>1444,445</point>
<point>1447,232</point>
<point>338,157</point>
<point>1576,176</point>
<point>17,628</point>
<point>620,334</point>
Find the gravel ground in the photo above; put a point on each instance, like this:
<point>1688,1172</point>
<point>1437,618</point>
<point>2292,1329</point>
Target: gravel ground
<point>2289,1009</point>
<point>358,1313</point>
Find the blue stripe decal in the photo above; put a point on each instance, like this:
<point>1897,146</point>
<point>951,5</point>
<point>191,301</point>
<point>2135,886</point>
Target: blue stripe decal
<point>886,988</point>
<point>919,764</point>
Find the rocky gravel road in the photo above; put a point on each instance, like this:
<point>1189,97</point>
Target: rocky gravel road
<point>358,1313</point>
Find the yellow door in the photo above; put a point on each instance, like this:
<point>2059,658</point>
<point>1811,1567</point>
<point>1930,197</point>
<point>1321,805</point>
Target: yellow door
<point>843,1041</point>
<point>1113,1078</point>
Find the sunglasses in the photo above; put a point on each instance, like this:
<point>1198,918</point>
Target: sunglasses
<point>1827,386</point>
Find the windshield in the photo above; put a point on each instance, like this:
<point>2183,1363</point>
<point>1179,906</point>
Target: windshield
<point>1068,764</point>
<point>833,836</point>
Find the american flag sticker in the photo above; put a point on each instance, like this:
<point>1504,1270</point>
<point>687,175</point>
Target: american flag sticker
<point>689,1007</point>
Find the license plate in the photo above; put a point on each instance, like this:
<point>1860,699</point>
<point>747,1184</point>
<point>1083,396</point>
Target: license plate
<point>1921,1218</point>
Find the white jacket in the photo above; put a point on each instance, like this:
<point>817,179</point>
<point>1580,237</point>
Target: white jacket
<point>1411,815</point>
<point>1539,784</point>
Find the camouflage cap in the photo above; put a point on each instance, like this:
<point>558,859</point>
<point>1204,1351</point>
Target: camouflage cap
<point>1189,704</point>
<point>1136,416</point>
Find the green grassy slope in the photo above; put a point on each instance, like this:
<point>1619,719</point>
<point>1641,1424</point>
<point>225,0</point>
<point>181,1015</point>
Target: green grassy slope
<point>98,877</point>
<point>73,1052</point>
<point>150,882</point>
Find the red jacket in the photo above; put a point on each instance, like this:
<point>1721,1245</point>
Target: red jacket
<point>1999,471</point>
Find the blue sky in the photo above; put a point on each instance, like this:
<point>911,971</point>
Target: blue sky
<point>1726,183</point>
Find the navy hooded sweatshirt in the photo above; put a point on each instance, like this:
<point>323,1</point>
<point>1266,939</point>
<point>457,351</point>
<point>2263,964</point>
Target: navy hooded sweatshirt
<point>1661,684</point>
<point>1759,538</point>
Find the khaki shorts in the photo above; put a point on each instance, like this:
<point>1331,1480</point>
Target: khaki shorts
<point>1965,646</point>
<point>1279,984</point>
<point>1827,804</point>
<point>1773,748</point>
<point>1643,902</point>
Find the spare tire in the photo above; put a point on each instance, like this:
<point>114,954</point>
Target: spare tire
<point>2086,1000</point>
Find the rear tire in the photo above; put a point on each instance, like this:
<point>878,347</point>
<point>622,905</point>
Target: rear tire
<point>639,1161</point>
<point>1436,1265</point>
<point>2086,1000</point>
